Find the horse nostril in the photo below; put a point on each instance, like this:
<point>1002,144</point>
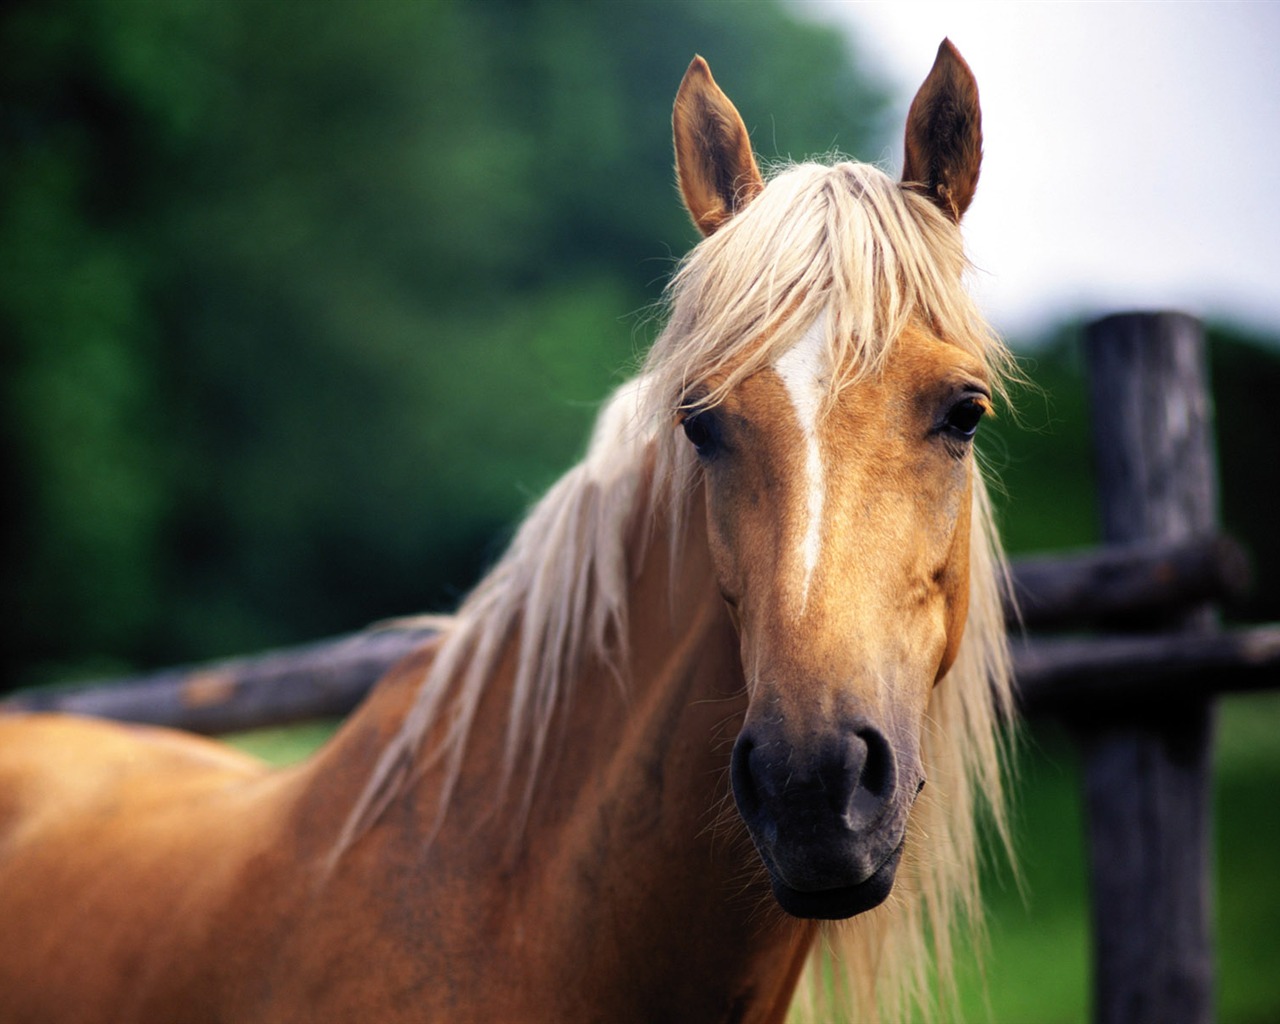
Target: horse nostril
<point>873,776</point>
<point>878,773</point>
<point>740,776</point>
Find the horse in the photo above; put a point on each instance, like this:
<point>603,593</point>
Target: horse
<point>731,703</point>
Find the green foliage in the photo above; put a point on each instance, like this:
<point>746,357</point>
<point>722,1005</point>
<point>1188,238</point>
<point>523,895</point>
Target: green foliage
<point>1041,457</point>
<point>1245,371</point>
<point>1037,453</point>
<point>301,303</point>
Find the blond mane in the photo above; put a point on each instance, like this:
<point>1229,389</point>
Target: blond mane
<point>847,241</point>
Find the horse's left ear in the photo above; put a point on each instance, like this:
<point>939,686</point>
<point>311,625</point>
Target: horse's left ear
<point>944,135</point>
<point>717,173</point>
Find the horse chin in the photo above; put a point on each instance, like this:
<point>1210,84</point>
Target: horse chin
<point>838,903</point>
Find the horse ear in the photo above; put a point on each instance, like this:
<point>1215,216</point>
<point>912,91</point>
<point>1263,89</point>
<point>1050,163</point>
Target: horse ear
<point>944,135</point>
<point>717,173</point>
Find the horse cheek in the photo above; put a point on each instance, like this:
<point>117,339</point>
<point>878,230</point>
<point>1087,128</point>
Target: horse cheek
<point>956,583</point>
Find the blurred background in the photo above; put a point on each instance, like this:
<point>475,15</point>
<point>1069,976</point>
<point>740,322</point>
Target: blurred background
<point>301,304</point>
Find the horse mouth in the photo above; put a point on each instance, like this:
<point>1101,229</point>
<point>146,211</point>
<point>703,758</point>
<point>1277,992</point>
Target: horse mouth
<point>841,902</point>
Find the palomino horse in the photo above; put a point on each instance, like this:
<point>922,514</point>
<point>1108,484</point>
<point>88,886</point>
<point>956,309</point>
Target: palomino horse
<point>757,582</point>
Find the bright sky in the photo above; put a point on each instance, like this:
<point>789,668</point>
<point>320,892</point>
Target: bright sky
<point>1132,150</point>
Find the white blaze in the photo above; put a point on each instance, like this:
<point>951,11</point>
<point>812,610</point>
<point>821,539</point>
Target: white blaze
<point>804,372</point>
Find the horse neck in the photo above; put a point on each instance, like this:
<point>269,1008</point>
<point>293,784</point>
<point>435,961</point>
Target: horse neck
<point>630,861</point>
<point>671,898</point>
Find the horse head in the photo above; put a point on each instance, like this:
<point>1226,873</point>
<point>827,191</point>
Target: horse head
<point>830,424</point>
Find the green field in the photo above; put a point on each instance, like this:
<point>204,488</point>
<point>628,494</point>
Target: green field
<point>1036,970</point>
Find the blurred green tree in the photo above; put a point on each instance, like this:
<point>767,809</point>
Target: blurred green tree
<point>302,302</point>
<point>1042,457</point>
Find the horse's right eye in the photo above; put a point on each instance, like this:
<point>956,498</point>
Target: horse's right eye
<point>963,417</point>
<point>699,428</point>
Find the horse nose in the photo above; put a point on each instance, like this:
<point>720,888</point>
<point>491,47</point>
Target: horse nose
<point>825,816</point>
<point>852,777</point>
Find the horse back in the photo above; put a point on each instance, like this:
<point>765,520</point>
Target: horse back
<point>122,850</point>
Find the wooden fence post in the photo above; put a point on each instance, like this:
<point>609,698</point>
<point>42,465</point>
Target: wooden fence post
<point>1147,767</point>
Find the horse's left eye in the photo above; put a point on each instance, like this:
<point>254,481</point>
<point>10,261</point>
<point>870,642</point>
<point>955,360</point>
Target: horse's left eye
<point>963,417</point>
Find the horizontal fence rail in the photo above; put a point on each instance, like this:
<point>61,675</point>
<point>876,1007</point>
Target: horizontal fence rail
<point>1107,587</point>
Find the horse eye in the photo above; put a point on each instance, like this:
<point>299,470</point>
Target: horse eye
<point>699,428</point>
<point>963,417</point>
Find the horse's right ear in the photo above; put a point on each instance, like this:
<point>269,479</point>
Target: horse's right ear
<point>717,173</point>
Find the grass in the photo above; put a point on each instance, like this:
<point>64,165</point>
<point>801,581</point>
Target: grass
<point>285,744</point>
<point>1037,965</point>
<point>1246,784</point>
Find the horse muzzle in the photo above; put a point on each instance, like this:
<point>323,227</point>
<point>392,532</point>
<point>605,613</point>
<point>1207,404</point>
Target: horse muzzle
<point>829,820</point>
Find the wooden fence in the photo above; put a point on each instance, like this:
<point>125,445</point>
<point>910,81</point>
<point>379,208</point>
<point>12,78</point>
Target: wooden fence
<point>1138,691</point>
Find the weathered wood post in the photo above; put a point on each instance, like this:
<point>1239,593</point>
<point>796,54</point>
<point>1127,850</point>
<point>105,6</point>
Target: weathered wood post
<point>1147,767</point>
